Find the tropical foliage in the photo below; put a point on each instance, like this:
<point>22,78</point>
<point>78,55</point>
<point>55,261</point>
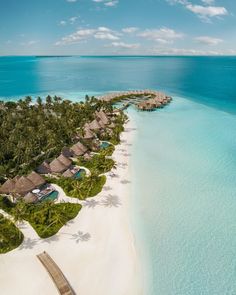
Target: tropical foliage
<point>31,133</point>
<point>45,217</point>
<point>10,236</point>
<point>99,163</point>
<point>81,188</point>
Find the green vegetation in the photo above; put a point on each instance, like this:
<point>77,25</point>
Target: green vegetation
<point>99,164</point>
<point>31,133</point>
<point>108,151</point>
<point>45,217</point>
<point>81,188</point>
<point>10,236</point>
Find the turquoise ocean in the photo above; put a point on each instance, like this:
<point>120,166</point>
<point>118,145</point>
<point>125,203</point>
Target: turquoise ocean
<point>183,203</point>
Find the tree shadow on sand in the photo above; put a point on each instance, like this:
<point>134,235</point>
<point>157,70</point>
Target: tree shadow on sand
<point>111,201</point>
<point>28,243</point>
<point>113,175</point>
<point>90,203</point>
<point>54,238</point>
<point>81,237</point>
<point>126,155</point>
<point>107,188</point>
<point>125,181</point>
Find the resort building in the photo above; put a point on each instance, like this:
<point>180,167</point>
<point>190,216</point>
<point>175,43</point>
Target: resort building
<point>31,187</point>
<point>44,168</point>
<point>78,149</point>
<point>60,164</point>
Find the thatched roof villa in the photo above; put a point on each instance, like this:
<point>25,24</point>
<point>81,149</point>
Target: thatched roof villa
<point>68,173</point>
<point>30,198</point>
<point>94,125</point>
<point>88,134</point>
<point>8,187</point>
<point>60,164</point>
<point>101,115</point>
<point>78,149</point>
<point>21,185</point>
<point>44,168</point>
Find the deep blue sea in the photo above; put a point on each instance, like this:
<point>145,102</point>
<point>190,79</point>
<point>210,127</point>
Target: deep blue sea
<point>183,160</point>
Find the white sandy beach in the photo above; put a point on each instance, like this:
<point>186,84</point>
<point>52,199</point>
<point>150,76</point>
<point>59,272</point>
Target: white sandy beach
<point>95,251</point>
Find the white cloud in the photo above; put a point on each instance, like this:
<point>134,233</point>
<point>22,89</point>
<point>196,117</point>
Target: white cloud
<point>109,3</point>
<point>204,12</point>
<point>162,35</point>
<point>62,23</point>
<point>29,43</point>
<point>71,1</point>
<point>208,2</point>
<point>101,33</point>
<point>125,45</point>
<point>73,19</point>
<point>207,11</point>
<point>206,40</point>
<point>129,30</point>
<point>105,36</point>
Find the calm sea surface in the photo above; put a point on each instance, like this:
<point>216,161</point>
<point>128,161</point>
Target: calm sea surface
<point>184,158</point>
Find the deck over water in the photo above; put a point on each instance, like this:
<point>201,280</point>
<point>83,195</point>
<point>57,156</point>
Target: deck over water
<point>56,274</point>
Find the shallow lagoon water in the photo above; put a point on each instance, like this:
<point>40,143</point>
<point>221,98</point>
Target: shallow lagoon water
<point>183,159</point>
<point>185,202</point>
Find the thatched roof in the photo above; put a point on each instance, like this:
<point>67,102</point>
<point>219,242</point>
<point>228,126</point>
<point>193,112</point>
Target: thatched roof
<point>67,152</point>
<point>94,125</point>
<point>102,125</point>
<point>30,198</point>
<point>37,179</point>
<point>66,161</point>
<point>81,146</point>
<point>103,117</point>
<point>88,134</point>
<point>24,185</point>
<point>67,173</point>
<point>8,187</point>
<point>57,166</point>
<point>78,149</point>
<point>44,168</point>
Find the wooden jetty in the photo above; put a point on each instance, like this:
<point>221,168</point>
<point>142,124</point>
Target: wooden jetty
<point>56,274</point>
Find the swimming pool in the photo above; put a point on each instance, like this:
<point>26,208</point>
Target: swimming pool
<point>80,174</point>
<point>51,196</point>
<point>104,144</point>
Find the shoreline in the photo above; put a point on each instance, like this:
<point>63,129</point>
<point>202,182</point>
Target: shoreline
<point>95,251</point>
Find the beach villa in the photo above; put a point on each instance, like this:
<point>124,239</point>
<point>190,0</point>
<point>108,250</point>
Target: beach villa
<point>31,188</point>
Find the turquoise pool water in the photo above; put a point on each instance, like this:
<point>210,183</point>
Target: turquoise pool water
<point>50,197</point>
<point>80,174</point>
<point>104,145</point>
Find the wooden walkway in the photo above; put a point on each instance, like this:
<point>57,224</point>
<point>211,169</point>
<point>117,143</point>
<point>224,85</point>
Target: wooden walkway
<point>56,274</point>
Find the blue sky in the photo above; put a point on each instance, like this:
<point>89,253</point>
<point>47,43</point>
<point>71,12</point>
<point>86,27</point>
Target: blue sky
<point>100,27</point>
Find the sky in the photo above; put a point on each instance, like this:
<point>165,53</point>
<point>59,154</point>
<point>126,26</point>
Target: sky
<point>118,27</point>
